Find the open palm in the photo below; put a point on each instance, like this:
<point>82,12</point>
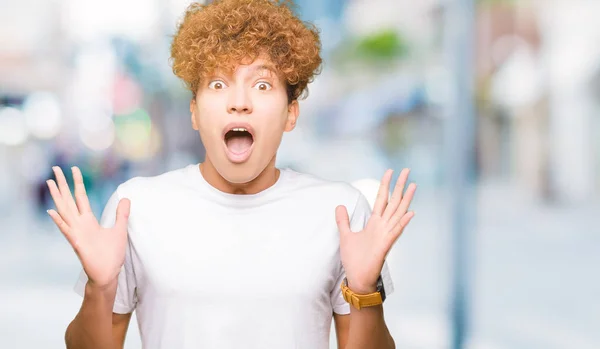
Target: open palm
<point>363,253</point>
<point>100,250</point>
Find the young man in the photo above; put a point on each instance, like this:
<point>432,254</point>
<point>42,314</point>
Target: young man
<point>234,252</point>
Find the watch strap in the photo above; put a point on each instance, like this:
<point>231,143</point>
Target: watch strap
<point>359,301</point>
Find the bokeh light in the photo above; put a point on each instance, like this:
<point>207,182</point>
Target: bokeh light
<point>98,138</point>
<point>43,115</point>
<point>13,129</point>
<point>136,135</point>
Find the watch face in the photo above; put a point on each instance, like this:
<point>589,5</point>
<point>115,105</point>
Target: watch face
<point>380,288</point>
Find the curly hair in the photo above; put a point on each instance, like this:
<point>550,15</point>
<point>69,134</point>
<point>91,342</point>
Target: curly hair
<point>224,33</point>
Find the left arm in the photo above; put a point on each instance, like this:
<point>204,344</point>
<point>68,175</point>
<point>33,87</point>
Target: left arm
<point>364,328</point>
<point>363,256</point>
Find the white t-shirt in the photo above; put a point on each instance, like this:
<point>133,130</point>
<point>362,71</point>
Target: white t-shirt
<point>206,269</point>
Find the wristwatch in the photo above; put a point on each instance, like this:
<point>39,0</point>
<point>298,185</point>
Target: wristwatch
<point>364,300</point>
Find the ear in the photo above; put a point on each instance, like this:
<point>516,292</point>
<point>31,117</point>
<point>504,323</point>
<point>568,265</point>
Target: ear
<point>292,117</point>
<point>193,113</point>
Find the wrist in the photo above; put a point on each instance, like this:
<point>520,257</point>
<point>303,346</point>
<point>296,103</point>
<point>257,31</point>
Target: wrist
<point>100,299</point>
<point>362,288</point>
<point>108,290</point>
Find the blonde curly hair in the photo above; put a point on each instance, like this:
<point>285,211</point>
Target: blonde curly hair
<point>224,33</point>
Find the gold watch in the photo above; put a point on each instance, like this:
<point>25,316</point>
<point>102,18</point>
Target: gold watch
<point>363,300</point>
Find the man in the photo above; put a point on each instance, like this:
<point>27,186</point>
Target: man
<point>234,252</point>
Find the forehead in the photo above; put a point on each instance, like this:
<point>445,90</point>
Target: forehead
<point>259,66</point>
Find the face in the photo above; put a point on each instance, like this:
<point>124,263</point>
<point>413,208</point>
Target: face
<point>241,117</point>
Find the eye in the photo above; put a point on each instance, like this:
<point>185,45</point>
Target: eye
<point>217,85</point>
<point>263,86</point>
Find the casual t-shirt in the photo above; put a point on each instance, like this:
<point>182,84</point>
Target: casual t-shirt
<point>207,269</point>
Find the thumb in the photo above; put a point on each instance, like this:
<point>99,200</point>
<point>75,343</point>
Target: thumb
<point>342,220</point>
<point>122,214</point>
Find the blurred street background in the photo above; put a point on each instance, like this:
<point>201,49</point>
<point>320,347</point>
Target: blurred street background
<point>88,83</point>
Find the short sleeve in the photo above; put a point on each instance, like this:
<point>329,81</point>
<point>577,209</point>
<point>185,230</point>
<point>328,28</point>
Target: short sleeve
<point>125,300</point>
<point>358,220</point>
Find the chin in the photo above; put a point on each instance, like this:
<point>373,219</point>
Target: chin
<point>239,173</point>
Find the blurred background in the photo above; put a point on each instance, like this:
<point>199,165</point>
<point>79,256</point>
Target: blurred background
<point>493,104</point>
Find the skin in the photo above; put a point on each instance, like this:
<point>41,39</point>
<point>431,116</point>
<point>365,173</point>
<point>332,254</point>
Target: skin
<point>101,252</point>
<point>256,94</point>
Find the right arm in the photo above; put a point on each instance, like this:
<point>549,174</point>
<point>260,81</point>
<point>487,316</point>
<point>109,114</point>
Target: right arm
<point>101,250</point>
<point>96,326</point>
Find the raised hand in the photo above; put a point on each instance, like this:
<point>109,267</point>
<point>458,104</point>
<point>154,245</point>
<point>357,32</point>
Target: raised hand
<point>100,250</point>
<point>363,253</point>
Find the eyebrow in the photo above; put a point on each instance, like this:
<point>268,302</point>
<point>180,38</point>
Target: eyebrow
<point>265,67</point>
<point>255,70</point>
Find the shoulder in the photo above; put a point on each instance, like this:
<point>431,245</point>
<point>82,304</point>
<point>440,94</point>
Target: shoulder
<point>150,195</point>
<point>324,190</point>
<point>144,185</point>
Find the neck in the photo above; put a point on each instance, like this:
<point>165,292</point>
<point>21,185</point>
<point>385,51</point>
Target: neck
<point>267,178</point>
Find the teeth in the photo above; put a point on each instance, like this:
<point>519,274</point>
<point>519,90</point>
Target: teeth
<point>240,129</point>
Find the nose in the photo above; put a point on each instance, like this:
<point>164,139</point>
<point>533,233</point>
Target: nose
<point>239,101</point>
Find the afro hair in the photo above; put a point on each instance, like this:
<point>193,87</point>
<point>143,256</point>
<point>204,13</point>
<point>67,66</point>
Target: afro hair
<point>224,33</point>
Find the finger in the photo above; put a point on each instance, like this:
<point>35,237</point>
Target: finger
<point>83,204</point>
<point>397,230</point>
<point>397,194</point>
<point>406,200</point>
<point>65,191</point>
<point>383,193</point>
<point>58,201</point>
<point>404,222</point>
<point>122,214</point>
<point>62,226</point>
<point>342,220</point>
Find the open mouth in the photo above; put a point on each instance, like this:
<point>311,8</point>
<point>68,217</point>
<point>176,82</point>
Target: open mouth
<point>238,140</point>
